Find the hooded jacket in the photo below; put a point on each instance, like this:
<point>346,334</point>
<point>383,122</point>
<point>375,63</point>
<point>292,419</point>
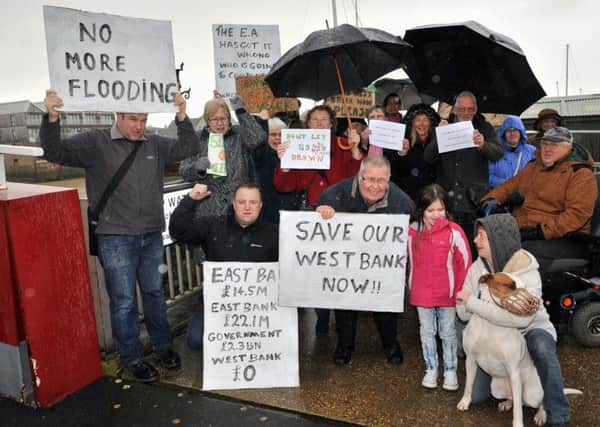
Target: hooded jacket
<point>514,159</point>
<point>221,237</point>
<point>439,260</point>
<point>503,236</point>
<point>560,198</point>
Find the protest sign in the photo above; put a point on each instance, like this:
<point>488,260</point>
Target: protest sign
<point>351,261</point>
<point>387,134</point>
<point>455,136</point>
<point>216,155</point>
<point>358,103</point>
<point>257,95</point>
<point>243,50</point>
<point>170,201</point>
<point>249,340</point>
<point>309,148</point>
<point>101,62</point>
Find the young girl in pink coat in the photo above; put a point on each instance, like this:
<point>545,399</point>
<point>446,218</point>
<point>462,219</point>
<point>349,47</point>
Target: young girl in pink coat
<point>439,259</point>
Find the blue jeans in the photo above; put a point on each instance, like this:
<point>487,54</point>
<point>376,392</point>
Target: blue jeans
<point>432,320</point>
<point>125,259</point>
<point>542,349</point>
<point>195,333</point>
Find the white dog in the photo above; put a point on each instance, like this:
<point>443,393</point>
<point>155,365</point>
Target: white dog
<point>502,353</point>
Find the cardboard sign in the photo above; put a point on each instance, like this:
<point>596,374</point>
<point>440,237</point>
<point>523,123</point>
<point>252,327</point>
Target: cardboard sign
<point>249,340</point>
<point>358,103</point>
<point>309,148</point>
<point>101,62</point>
<point>243,50</point>
<point>257,95</point>
<point>351,261</point>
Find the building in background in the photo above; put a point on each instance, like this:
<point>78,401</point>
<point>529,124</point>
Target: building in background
<point>20,123</point>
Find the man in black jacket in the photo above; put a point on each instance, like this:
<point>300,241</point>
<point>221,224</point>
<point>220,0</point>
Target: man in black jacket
<point>370,191</point>
<point>464,173</point>
<point>241,235</point>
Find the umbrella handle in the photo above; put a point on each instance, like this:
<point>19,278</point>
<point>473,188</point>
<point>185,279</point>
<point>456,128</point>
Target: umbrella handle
<point>343,93</point>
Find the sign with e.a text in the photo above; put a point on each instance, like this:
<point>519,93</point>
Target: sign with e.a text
<point>243,50</point>
<point>350,261</point>
<point>249,340</point>
<point>101,62</point>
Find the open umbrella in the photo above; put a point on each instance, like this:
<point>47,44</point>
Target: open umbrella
<point>451,58</point>
<point>404,88</point>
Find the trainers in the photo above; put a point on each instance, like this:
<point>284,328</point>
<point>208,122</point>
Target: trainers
<point>450,381</point>
<point>142,372</point>
<point>168,359</point>
<point>430,378</point>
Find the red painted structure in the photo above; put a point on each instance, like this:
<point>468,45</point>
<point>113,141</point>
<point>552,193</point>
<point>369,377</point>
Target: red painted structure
<point>45,294</point>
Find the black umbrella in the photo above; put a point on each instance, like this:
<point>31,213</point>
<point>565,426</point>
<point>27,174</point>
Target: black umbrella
<point>451,58</point>
<point>308,69</point>
<point>404,88</point>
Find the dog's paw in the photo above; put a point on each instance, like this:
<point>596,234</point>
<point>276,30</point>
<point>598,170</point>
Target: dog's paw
<point>540,417</point>
<point>464,404</point>
<point>505,405</point>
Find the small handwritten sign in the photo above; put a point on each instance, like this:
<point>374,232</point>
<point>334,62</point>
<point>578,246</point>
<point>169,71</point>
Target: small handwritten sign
<point>309,148</point>
<point>257,95</point>
<point>358,102</point>
<point>455,136</point>
<point>351,261</point>
<point>249,340</point>
<point>387,134</point>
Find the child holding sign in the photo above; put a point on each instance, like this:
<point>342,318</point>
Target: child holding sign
<point>439,259</point>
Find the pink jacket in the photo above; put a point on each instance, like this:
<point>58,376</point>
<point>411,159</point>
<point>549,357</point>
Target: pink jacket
<point>439,260</point>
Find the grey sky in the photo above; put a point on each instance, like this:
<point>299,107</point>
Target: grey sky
<point>542,28</point>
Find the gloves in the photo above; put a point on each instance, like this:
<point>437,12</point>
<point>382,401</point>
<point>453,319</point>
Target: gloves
<point>489,207</point>
<point>202,164</point>
<point>237,102</point>
<point>516,199</point>
<point>532,233</point>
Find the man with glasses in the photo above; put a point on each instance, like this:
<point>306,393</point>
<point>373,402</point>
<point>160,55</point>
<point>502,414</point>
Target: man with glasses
<point>559,192</point>
<point>370,191</point>
<point>464,173</point>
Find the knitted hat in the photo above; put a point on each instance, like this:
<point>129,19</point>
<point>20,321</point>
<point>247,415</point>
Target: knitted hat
<point>547,113</point>
<point>558,134</point>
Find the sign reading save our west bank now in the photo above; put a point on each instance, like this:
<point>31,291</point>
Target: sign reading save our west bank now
<point>101,62</point>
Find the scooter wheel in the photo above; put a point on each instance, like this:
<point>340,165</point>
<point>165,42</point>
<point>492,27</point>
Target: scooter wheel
<point>585,324</point>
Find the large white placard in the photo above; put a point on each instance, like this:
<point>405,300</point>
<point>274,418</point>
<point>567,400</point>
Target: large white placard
<point>101,62</point>
<point>387,134</point>
<point>243,50</point>
<point>455,136</point>
<point>351,261</point>
<point>309,148</point>
<point>171,200</point>
<point>249,340</point>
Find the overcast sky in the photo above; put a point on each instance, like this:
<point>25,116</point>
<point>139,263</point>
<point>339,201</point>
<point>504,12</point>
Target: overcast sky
<point>542,29</point>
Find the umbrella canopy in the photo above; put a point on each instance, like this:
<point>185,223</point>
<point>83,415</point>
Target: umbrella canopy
<point>308,69</point>
<point>468,56</point>
<point>404,88</point>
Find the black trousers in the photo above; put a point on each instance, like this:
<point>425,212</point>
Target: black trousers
<point>345,323</point>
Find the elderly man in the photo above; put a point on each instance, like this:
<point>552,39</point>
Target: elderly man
<point>559,192</point>
<point>241,235</point>
<point>464,173</point>
<point>130,225</point>
<point>370,191</point>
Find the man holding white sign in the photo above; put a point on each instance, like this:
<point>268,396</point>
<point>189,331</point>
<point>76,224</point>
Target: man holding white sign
<point>368,192</point>
<point>462,170</point>
<point>130,224</point>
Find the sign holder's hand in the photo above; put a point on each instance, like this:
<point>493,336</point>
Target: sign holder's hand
<point>199,192</point>
<point>326,211</point>
<point>180,102</point>
<point>52,101</point>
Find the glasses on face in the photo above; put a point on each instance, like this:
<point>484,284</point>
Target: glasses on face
<point>461,110</point>
<point>218,120</point>
<point>314,120</point>
<point>374,181</point>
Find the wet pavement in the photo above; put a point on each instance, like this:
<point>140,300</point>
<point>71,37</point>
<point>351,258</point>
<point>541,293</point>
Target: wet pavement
<point>370,391</point>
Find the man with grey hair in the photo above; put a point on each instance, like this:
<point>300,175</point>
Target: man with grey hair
<point>464,173</point>
<point>370,191</point>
